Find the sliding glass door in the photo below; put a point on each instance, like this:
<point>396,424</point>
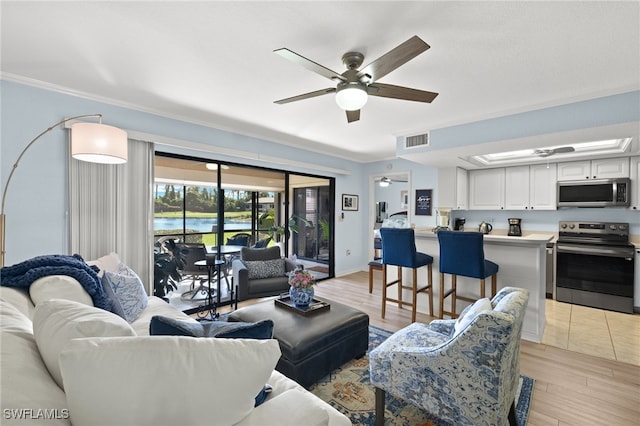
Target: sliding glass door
<point>312,222</point>
<point>203,201</point>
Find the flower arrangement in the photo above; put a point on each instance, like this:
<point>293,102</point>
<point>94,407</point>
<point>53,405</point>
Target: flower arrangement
<point>302,279</point>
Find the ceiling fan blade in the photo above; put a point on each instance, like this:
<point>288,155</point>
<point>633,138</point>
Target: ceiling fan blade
<point>308,64</point>
<point>394,58</point>
<point>399,92</point>
<point>353,116</point>
<point>306,96</point>
<point>563,149</point>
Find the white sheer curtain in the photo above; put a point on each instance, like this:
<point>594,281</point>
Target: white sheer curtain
<point>111,210</point>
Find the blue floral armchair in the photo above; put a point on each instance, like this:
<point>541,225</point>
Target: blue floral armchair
<point>463,375</point>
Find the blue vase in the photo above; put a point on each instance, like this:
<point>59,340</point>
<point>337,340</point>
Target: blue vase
<point>301,297</point>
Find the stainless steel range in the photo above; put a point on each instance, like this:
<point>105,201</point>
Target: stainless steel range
<point>595,265</point>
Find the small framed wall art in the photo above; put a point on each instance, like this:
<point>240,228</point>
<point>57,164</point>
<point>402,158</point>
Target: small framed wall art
<point>423,202</point>
<point>349,202</point>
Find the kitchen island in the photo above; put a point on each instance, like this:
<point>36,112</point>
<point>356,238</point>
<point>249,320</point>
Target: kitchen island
<point>522,262</point>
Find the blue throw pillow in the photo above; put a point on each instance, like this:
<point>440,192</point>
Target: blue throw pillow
<point>160,325</point>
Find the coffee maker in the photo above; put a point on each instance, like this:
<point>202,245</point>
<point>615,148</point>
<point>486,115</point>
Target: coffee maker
<point>458,224</point>
<point>514,227</point>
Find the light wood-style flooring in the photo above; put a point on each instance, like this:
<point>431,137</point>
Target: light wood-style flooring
<point>571,388</point>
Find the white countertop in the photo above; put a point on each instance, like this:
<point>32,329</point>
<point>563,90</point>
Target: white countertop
<point>528,239</point>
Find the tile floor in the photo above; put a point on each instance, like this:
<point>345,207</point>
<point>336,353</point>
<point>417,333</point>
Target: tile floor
<point>606,334</point>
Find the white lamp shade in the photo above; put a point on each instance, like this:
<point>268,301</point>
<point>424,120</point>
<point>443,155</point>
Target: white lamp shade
<point>351,97</point>
<point>98,143</point>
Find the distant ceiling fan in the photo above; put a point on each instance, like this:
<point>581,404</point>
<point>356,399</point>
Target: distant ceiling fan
<point>546,152</point>
<point>354,86</point>
<point>385,181</point>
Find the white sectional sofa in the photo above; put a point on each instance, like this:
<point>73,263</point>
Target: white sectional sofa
<point>112,372</point>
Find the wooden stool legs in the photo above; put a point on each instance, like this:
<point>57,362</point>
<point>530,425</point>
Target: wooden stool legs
<point>373,266</point>
<point>414,290</point>
<point>454,295</point>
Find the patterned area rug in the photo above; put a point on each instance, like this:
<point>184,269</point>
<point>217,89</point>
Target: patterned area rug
<point>349,391</point>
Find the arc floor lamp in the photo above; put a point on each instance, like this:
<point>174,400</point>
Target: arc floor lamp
<point>92,142</point>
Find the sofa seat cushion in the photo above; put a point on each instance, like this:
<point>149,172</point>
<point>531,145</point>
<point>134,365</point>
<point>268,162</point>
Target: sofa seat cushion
<point>194,381</point>
<point>26,382</point>
<point>19,298</point>
<point>56,322</point>
<point>14,321</point>
<point>300,407</point>
<point>281,384</point>
<point>157,306</point>
<point>162,326</point>
<point>270,285</point>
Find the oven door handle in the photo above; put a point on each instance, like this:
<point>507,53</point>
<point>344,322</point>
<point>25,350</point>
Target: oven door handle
<point>596,251</point>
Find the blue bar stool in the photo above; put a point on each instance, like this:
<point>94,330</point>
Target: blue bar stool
<point>462,253</point>
<point>399,249</point>
<point>376,263</point>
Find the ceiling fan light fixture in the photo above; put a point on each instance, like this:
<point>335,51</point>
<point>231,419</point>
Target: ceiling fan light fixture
<point>351,96</point>
<point>384,182</point>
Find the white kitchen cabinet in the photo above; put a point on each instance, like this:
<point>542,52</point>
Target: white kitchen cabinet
<point>635,188</point>
<point>543,187</point>
<point>453,188</point>
<point>486,189</point>
<point>516,196</point>
<point>530,187</point>
<point>594,169</point>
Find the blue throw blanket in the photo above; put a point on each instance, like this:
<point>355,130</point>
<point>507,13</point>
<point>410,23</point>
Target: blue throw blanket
<point>23,274</point>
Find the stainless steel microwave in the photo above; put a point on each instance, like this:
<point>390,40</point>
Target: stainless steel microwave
<point>595,193</point>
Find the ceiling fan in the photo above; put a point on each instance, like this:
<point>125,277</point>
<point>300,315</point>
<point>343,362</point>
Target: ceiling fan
<point>386,181</point>
<point>546,152</point>
<point>354,86</point>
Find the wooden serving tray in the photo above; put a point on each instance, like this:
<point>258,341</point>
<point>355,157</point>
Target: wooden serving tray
<point>284,301</point>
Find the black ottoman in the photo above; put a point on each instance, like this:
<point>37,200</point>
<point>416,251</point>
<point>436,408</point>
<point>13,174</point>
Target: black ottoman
<point>312,346</point>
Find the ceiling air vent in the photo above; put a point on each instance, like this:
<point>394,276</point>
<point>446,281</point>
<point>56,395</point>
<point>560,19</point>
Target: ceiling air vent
<point>416,140</point>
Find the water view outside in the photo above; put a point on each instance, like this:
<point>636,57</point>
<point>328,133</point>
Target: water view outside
<point>188,210</point>
<point>197,224</point>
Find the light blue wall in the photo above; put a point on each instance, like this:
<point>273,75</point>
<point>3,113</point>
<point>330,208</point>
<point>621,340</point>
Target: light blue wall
<point>36,207</point>
<point>604,111</point>
<point>36,204</point>
<point>421,177</point>
<point>547,221</point>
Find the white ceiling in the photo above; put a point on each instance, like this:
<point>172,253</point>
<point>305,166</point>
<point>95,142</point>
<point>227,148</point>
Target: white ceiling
<point>212,62</point>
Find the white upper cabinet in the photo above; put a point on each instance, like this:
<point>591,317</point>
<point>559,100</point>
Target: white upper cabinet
<point>543,187</point>
<point>635,186</point>
<point>486,189</point>
<point>530,187</point>
<point>594,169</point>
<point>453,188</point>
<point>516,195</point>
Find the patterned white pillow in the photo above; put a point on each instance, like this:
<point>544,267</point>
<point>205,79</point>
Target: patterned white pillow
<point>126,292</point>
<point>470,313</point>
<point>265,268</point>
